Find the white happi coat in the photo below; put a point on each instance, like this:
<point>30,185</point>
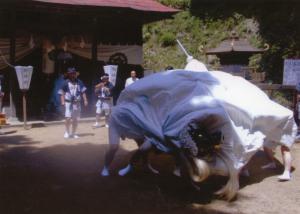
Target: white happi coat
<point>161,105</point>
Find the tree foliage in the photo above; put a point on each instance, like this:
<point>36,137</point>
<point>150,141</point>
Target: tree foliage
<point>205,23</point>
<point>179,4</point>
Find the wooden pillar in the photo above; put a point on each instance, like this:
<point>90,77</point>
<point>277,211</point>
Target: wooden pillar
<point>12,60</point>
<point>94,62</point>
<point>95,41</point>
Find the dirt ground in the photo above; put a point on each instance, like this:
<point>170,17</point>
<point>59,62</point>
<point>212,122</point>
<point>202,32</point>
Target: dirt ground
<point>41,172</point>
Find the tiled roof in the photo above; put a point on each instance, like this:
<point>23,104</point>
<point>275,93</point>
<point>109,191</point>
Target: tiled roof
<point>234,45</point>
<point>142,5</point>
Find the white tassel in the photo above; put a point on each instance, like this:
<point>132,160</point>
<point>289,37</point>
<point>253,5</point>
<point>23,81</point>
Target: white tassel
<point>202,169</point>
<point>230,190</point>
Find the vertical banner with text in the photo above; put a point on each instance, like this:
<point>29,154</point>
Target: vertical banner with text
<point>291,72</point>
<point>111,70</point>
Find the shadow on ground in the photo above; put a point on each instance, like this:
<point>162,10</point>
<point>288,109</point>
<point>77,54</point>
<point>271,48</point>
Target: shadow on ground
<point>65,179</point>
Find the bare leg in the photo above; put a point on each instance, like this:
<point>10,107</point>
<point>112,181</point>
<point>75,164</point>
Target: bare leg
<point>109,156</point>
<point>96,125</point>
<point>270,157</point>
<point>138,155</point>
<point>97,118</point>
<point>74,126</point>
<point>67,125</point>
<point>114,141</point>
<point>287,162</point>
<point>107,116</point>
<point>106,120</point>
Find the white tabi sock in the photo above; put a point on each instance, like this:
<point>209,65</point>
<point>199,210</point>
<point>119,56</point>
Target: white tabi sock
<point>125,170</point>
<point>286,176</point>
<point>104,172</point>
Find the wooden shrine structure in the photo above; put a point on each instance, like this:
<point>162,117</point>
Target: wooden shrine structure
<point>53,34</point>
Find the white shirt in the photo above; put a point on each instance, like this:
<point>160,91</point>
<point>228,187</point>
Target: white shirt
<point>130,80</point>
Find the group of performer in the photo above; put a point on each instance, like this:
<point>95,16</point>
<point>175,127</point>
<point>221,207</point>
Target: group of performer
<point>73,91</point>
<point>163,111</point>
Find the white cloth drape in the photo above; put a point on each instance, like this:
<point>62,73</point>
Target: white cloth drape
<point>159,106</point>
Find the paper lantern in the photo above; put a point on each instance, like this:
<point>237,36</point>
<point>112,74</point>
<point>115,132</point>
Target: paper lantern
<point>24,74</point>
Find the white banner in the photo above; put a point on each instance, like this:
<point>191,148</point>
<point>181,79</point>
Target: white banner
<point>291,72</point>
<point>24,74</point>
<point>111,70</point>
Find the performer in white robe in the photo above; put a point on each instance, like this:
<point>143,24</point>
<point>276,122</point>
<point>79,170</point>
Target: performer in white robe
<point>160,107</point>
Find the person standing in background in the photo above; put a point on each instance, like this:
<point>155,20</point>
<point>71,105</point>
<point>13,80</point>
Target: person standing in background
<point>131,79</point>
<point>71,93</point>
<point>103,91</point>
